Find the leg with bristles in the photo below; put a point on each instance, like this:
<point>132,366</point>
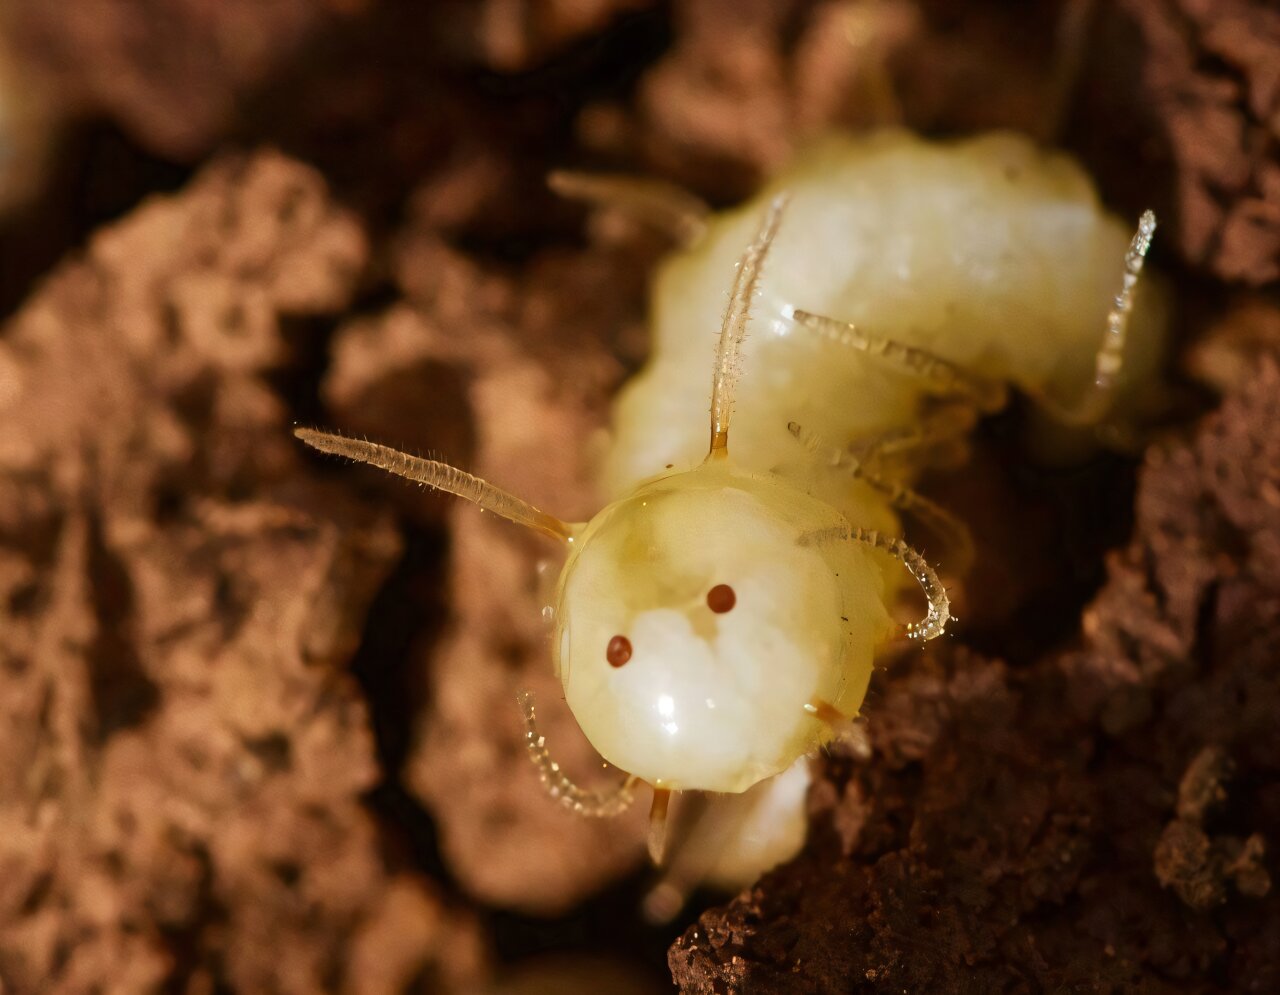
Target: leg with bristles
<point>938,613</point>
<point>937,375</point>
<point>930,514</point>
<point>1108,362</point>
<point>938,437</point>
<point>594,804</point>
<point>670,209</point>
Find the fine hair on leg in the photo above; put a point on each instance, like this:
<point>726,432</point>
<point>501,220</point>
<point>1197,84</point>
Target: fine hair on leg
<point>938,437</point>
<point>942,523</point>
<point>937,375</point>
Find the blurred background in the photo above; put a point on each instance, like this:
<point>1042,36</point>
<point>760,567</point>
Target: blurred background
<point>257,722</point>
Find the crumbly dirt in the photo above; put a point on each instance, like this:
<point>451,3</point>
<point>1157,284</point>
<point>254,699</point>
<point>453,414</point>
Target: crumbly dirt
<point>174,72</point>
<point>1029,826</point>
<point>514,422</point>
<point>184,754</point>
<point>1189,90</point>
<point>259,716</point>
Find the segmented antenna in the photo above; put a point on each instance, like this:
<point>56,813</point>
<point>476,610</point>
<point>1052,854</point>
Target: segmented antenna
<point>441,476</point>
<point>594,804</point>
<point>734,327</point>
<point>935,620</point>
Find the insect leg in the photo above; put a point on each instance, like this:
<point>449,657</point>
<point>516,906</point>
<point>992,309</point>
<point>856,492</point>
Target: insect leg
<point>594,804</point>
<point>694,856</point>
<point>827,713</point>
<point>938,437</point>
<point>941,428</point>
<point>938,614</point>
<point>1092,407</point>
<point>661,205</point>
<point>933,516</point>
<point>844,729</point>
<point>870,28</point>
<point>940,376</point>
<point>658,824</point>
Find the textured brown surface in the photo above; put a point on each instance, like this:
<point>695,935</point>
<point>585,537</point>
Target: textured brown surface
<point>259,730</point>
<point>1188,91</point>
<point>1018,826</point>
<point>172,71</point>
<point>183,758</point>
<point>480,345</point>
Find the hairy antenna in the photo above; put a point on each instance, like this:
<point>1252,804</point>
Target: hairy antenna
<point>441,476</point>
<point>734,328</point>
<point>935,620</point>
<point>596,804</point>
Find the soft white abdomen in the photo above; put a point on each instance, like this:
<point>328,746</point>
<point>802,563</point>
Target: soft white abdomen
<point>990,252</point>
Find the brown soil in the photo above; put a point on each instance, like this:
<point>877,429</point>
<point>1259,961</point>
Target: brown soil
<point>258,714</point>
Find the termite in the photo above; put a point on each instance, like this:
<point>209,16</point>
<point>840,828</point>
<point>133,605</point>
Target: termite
<point>719,621</point>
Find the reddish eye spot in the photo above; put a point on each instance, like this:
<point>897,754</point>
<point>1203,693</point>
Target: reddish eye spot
<point>721,599</point>
<point>619,651</point>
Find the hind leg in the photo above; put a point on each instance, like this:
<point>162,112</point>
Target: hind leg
<point>942,377</point>
<point>728,841</point>
<point>954,534</point>
<point>857,41</point>
<point>670,209</point>
<point>938,436</point>
<point>937,375</point>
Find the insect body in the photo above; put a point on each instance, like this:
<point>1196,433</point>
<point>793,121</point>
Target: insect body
<point>718,621</point>
<point>989,253</point>
<point>709,696</point>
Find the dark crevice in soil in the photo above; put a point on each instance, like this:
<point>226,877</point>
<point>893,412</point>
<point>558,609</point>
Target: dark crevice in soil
<point>593,927</point>
<point>96,174</point>
<point>123,694</point>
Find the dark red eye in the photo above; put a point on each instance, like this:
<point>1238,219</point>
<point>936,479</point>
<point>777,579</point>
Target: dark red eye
<point>721,599</point>
<point>619,651</point>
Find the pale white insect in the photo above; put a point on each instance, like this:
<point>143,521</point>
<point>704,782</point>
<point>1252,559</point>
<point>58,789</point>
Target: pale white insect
<point>717,622</point>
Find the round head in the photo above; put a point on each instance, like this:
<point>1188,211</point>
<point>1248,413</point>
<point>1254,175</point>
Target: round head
<point>698,617</point>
